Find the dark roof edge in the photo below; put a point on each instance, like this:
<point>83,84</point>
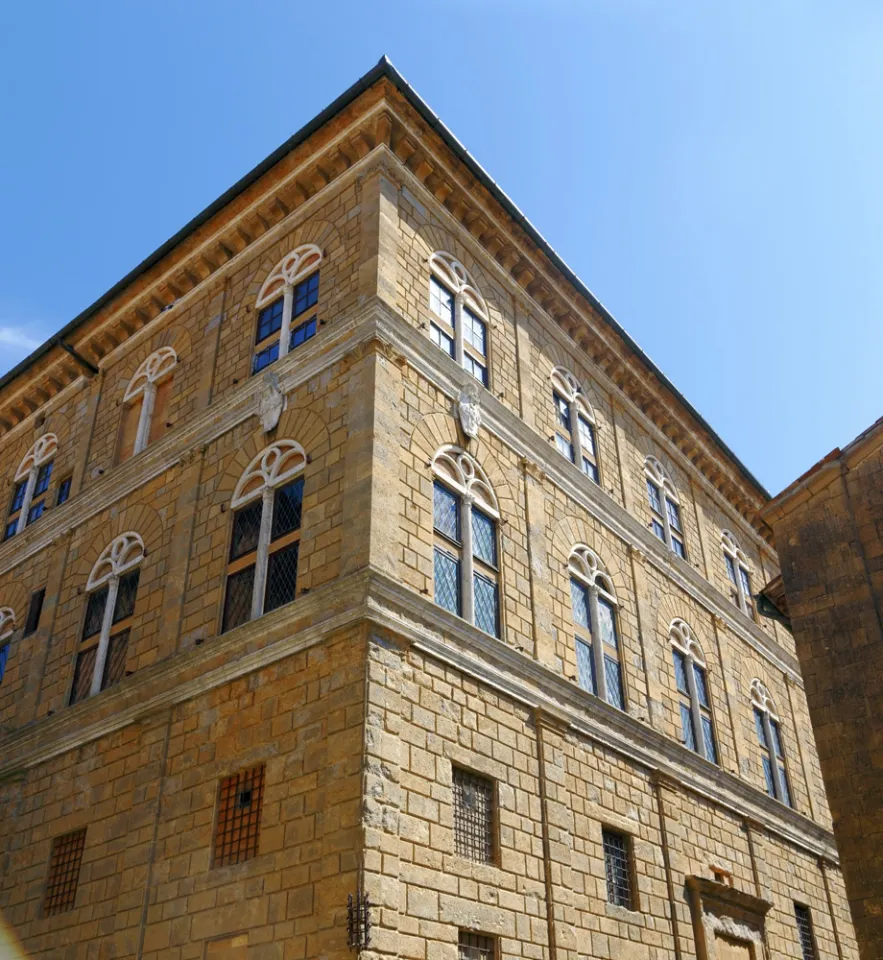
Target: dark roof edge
<point>383,68</point>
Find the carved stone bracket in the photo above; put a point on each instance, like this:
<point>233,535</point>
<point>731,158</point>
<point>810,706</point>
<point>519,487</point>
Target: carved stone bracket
<point>469,411</point>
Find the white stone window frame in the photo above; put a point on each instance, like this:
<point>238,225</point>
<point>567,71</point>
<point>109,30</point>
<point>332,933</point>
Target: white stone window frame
<point>684,641</point>
<point>294,267</point>
<point>460,473</point>
<point>565,384</point>
<point>586,568</point>
<point>274,467</point>
<point>42,452</point>
<point>655,472</point>
<point>455,278</point>
<point>7,624</point>
<point>762,701</point>
<point>730,547</point>
<point>153,371</point>
<point>122,555</point>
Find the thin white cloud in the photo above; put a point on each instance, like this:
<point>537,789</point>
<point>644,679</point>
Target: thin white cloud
<point>13,337</point>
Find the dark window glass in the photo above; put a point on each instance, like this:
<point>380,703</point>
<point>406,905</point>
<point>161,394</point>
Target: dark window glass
<point>678,548</point>
<point>616,863</point>
<point>786,790</point>
<point>11,527</point>
<point>484,537</point>
<point>746,583</point>
<point>287,508</point>
<point>446,512</point>
<point>126,593</point>
<point>613,677</point>
<point>768,776</point>
<point>473,816</point>
<point>653,495</point>
<point>701,686</point>
<point>302,333</point>
<point>44,474</point>
<point>83,671</point>
<point>281,577</point>
<point>478,371</point>
<point>269,320</point>
<point>708,737</point>
<point>562,411</point>
<point>474,331</point>
<point>674,514</point>
<point>607,623</point>
<point>64,491</point>
<point>34,609</point>
<point>4,656</point>
<point>94,612</point>
<point>731,568</point>
<point>804,931</point>
<point>447,581</point>
<point>486,605</point>
<point>115,665</point>
<point>36,511</point>
<point>474,946</point>
<point>758,726</point>
<point>441,301</point>
<point>591,470</point>
<point>585,666</point>
<point>18,496</point>
<point>565,447</point>
<point>64,872</point>
<point>306,294</point>
<point>680,662</point>
<point>688,734</point>
<point>237,603</point>
<point>579,596</point>
<point>266,356</point>
<point>659,530</point>
<point>441,339</point>
<point>587,436</point>
<point>246,528</point>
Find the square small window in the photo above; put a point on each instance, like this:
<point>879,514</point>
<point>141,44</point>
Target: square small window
<point>617,867</point>
<point>64,872</point>
<point>474,816</point>
<point>476,946</point>
<point>238,826</point>
<point>35,608</point>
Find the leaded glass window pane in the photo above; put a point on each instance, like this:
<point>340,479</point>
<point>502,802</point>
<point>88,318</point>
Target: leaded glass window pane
<point>746,583</point>
<point>281,577</point>
<point>758,726</point>
<point>306,294</point>
<point>94,612</point>
<point>269,320</point>
<point>237,603</point>
<point>585,666</point>
<point>18,496</point>
<point>701,686</point>
<point>680,662</point>
<point>287,508</point>
<point>441,301</point>
<point>607,623</point>
<point>616,865</point>
<point>579,596</point>
<point>708,736</point>
<point>246,528</point>
<point>687,733</point>
<point>486,612</point>
<point>472,366</point>
<point>587,436</point>
<point>674,514</point>
<point>126,593</point>
<point>786,791</point>
<point>441,339</point>
<point>653,496</point>
<point>562,411</point>
<point>446,512</point>
<point>777,739</point>
<point>474,331</point>
<point>4,656</point>
<point>447,581</point>
<point>613,677</point>
<point>768,776</point>
<point>564,446</point>
<point>484,537</point>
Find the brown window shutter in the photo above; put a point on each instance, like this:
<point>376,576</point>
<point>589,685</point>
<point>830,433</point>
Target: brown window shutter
<point>160,411</point>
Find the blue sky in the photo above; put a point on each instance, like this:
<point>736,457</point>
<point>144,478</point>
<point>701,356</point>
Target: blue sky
<point>711,171</point>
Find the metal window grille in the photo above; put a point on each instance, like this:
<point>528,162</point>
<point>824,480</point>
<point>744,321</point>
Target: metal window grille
<point>237,603</point>
<point>473,816</point>
<point>64,871</point>
<point>238,827</point>
<point>804,931</point>
<point>281,577</point>
<point>115,665</point>
<point>287,508</point>
<point>35,608</point>
<point>474,946</point>
<point>616,864</point>
<point>83,671</point>
<point>246,528</point>
<point>126,593</point>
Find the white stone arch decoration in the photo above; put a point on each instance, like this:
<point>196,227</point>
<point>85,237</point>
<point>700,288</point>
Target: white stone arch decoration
<point>730,545</point>
<point>656,472</point>
<point>153,370</point>
<point>682,637</point>
<point>458,469</point>
<point>43,450</point>
<point>291,269</point>
<point>760,698</point>
<point>7,623</point>
<point>273,466</point>
<point>570,388</point>
<point>122,554</point>
<point>449,271</point>
<point>585,564</point>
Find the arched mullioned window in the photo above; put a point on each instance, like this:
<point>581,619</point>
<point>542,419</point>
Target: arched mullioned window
<point>32,478</point>
<point>574,423</point>
<point>466,552</point>
<point>146,403</point>
<point>7,628</point>
<point>460,315</point>
<point>111,591</point>
<point>691,679</point>
<point>664,507</point>
<point>737,573</point>
<point>769,737</point>
<point>288,294</point>
<point>595,621</point>
<point>265,540</point>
